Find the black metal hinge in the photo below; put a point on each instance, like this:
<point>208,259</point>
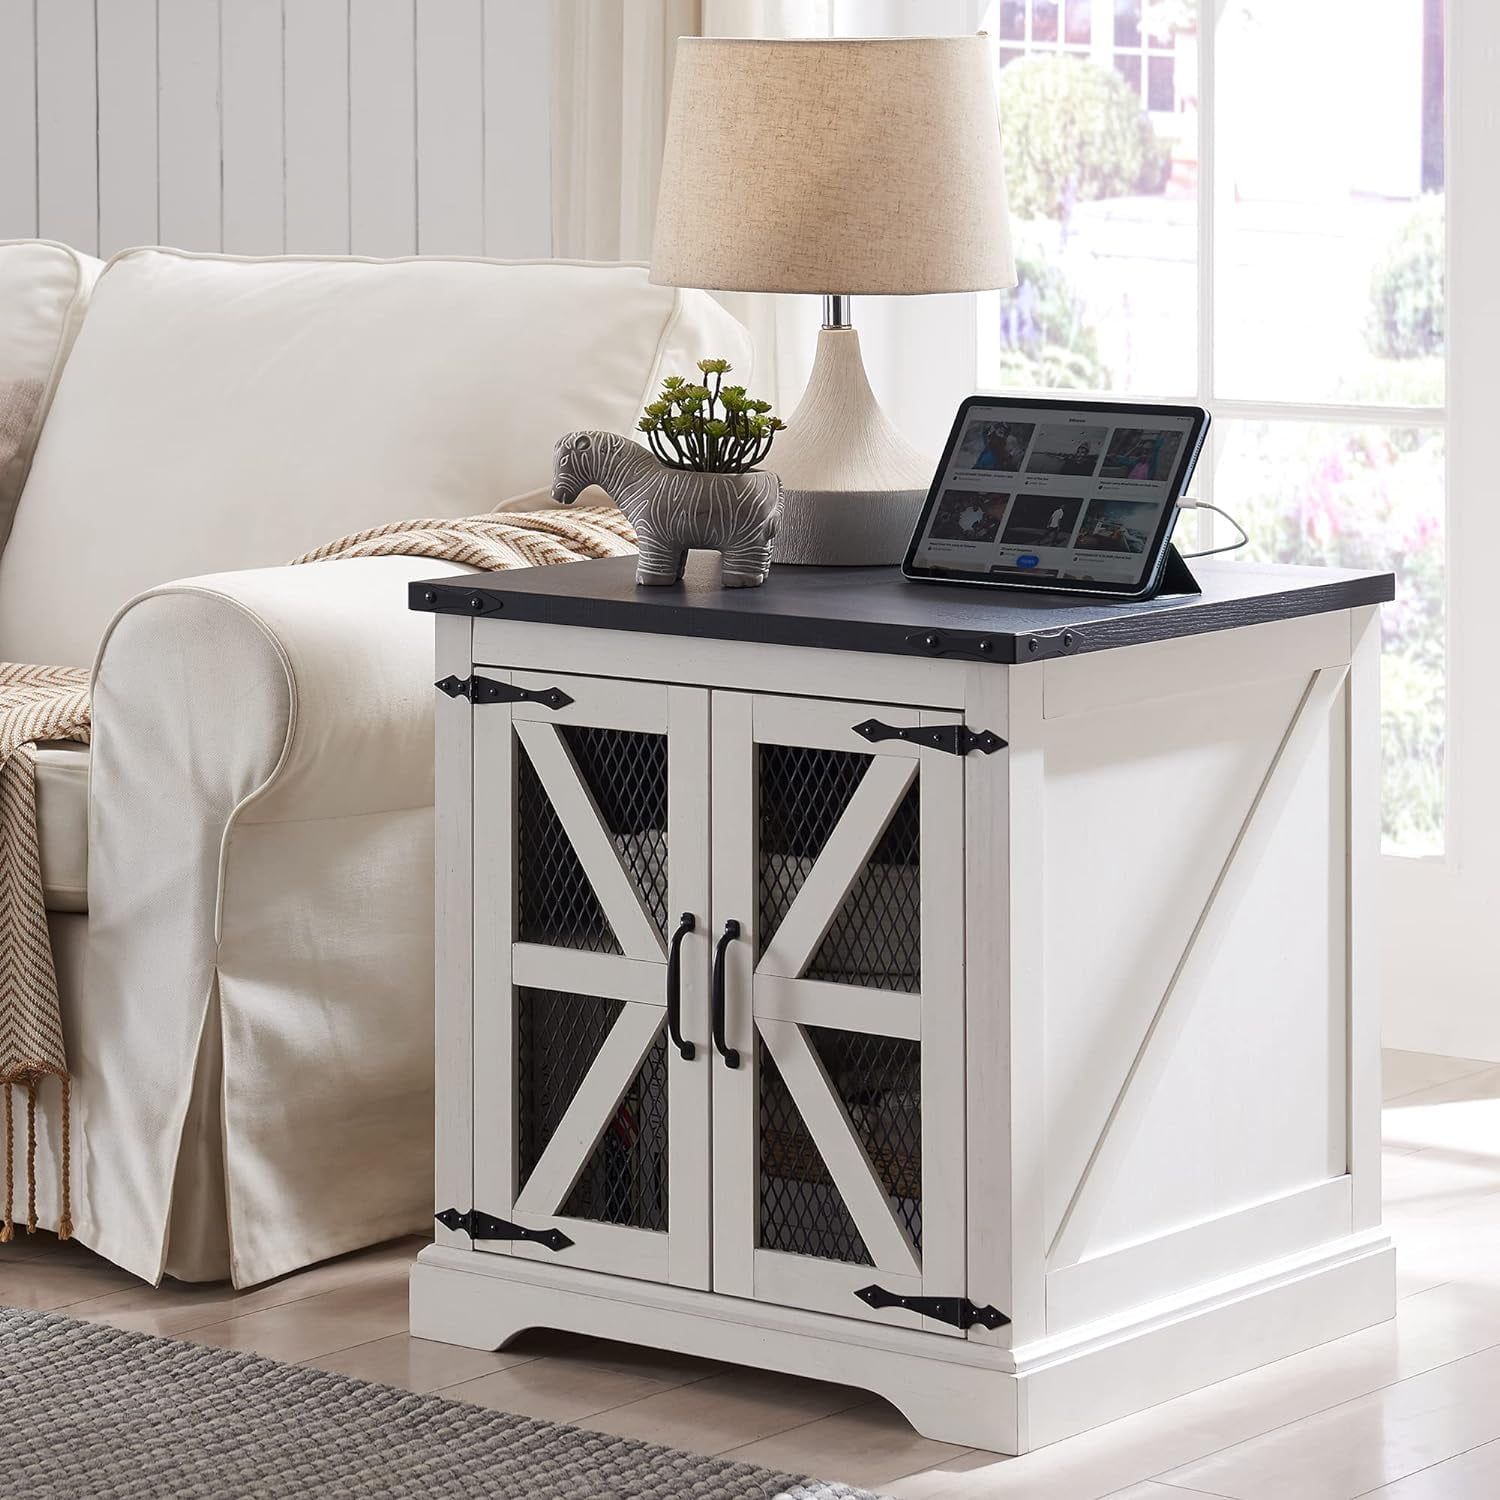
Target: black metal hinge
<point>958,1311</point>
<point>479,689</point>
<point>482,1226</point>
<point>956,739</point>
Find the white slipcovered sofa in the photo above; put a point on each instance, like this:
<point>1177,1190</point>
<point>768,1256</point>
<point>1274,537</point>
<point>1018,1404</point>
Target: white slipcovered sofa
<point>238,870</point>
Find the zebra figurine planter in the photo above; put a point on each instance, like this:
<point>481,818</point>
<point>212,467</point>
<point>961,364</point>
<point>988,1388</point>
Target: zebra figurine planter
<point>674,509</point>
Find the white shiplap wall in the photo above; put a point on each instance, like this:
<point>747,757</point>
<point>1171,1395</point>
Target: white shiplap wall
<point>372,127</point>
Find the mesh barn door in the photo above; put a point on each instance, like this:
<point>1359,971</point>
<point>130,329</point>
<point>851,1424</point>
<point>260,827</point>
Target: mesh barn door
<point>591,843</point>
<point>839,1139</point>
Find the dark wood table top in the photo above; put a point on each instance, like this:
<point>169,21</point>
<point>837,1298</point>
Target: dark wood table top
<point>877,610</point>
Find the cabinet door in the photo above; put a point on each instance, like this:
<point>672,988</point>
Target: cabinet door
<point>591,847</point>
<point>839,1134</point>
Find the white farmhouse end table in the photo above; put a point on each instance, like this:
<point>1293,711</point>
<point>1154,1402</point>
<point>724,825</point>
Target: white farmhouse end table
<point>963,996</point>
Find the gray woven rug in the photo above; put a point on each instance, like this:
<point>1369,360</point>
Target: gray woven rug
<point>93,1411</point>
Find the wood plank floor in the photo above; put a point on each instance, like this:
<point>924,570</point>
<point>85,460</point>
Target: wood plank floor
<point>1405,1411</point>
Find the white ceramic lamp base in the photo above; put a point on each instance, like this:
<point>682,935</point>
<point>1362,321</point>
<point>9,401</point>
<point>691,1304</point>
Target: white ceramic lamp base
<point>852,484</point>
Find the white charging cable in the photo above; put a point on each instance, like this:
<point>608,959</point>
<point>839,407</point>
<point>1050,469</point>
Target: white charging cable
<point>1244,540</point>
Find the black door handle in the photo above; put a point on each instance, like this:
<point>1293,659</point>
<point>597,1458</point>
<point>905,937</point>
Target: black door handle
<point>674,987</point>
<point>730,933</point>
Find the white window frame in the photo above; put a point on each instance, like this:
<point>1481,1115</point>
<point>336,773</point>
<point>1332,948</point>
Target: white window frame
<point>1437,966</point>
<point>1436,969</point>
<point>1229,409</point>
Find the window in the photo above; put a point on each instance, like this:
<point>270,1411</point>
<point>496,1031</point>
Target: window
<point>1266,236</point>
<point>1146,37</point>
<point>1142,40</point>
<point>1050,25</point>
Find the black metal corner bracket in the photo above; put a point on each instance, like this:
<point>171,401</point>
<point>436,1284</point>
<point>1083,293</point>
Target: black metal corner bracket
<point>479,689</point>
<point>955,739</point>
<point>958,1311</point>
<point>482,1226</point>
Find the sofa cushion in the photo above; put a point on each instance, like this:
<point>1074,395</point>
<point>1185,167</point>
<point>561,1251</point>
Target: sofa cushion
<point>62,815</point>
<point>223,413</point>
<point>44,289</point>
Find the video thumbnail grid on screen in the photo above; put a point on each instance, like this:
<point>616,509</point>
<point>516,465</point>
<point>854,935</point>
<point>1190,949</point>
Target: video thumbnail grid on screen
<point>1077,498</point>
<point>1139,453</point>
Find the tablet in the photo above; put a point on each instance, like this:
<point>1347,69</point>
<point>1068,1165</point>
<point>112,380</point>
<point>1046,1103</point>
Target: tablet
<point>1057,496</point>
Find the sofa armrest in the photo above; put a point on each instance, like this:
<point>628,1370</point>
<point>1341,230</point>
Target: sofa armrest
<point>278,693</point>
<point>260,881</point>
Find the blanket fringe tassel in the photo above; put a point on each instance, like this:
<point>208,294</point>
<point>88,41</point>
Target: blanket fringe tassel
<point>8,1230</point>
<point>65,1214</point>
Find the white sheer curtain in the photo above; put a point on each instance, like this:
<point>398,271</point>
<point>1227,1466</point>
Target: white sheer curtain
<point>611,82</point>
<point>611,79</point>
<point>612,66</point>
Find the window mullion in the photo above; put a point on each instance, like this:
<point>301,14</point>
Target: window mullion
<point>1208,21</point>
<point>1333,414</point>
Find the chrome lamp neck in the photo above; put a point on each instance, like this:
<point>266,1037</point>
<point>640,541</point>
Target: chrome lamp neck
<point>836,310</point>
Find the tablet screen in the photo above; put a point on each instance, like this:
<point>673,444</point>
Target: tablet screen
<point>1067,495</point>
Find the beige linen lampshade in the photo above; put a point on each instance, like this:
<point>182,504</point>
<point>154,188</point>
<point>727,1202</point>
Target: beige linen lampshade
<point>838,166</point>
<point>849,165</point>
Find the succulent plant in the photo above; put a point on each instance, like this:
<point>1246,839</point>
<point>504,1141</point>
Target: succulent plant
<point>715,429</point>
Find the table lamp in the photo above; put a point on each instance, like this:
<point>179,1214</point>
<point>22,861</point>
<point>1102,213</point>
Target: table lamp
<point>843,167</point>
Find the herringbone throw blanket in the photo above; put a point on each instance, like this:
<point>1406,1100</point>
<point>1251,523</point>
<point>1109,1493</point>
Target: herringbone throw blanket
<point>494,542</point>
<point>52,703</point>
<point>36,704</point>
